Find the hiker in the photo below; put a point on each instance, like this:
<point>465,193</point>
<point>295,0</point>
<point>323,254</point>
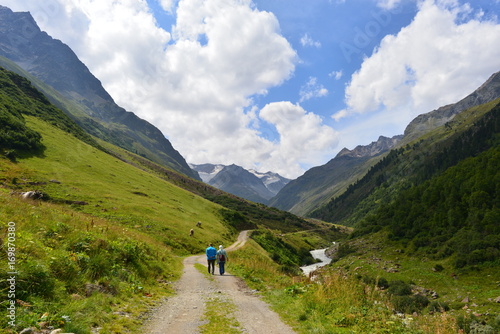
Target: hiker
<point>221,259</point>
<point>211,256</point>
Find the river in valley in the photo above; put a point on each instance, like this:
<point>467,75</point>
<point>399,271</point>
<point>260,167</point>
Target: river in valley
<point>320,255</point>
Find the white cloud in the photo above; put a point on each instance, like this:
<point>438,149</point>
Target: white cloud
<point>340,115</point>
<point>336,74</point>
<point>304,139</point>
<point>222,53</point>
<point>308,41</point>
<point>194,83</point>
<point>442,56</point>
<point>388,4</point>
<point>312,89</point>
<point>167,5</point>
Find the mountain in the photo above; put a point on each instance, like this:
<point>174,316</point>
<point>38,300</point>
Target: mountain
<point>248,184</point>
<point>207,171</point>
<point>55,70</point>
<point>436,196</point>
<point>321,184</point>
<point>487,92</point>
<point>273,181</point>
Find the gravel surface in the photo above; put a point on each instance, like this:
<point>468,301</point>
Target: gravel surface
<point>183,313</point>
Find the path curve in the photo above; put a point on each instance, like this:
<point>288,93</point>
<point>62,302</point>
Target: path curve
<point>183,313</point>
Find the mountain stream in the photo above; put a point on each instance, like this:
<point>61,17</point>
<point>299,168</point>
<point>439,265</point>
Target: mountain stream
<point>320,255</point>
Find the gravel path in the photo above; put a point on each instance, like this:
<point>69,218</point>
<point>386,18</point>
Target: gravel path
<point>183,313</point>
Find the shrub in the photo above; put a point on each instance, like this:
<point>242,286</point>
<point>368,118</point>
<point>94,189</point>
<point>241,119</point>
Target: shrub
<point>436,306</point>
<point>14,134</point>
<point>402,304</point>
<point>98,265</point>
<point>409,304</point>
<point>399,288</point>
<point>344,250</point>
<point>420,302</point>
<point>366,279</point>
<point>479,328</point>
<point>34,279</point>
<point>382,283</point>
<point>438,268</point>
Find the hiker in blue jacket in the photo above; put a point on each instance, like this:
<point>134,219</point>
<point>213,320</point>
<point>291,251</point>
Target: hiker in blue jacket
<point>211,257</point>
<point>221,259</point>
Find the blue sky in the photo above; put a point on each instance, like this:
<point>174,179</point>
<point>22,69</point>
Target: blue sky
<point>278,85</point>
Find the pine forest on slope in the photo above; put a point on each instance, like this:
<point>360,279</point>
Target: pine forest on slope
<point>438,195</point>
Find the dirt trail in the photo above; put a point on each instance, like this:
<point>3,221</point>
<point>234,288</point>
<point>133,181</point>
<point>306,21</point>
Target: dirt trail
<point>183,313</point>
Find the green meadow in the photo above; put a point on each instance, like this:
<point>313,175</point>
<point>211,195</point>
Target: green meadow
<point>104,244</point>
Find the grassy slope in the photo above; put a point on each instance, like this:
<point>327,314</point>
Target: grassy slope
<point>243,214</point>
<point>375,258</point>
<point>55,275</point>
<point>333,304</point>
<point>133,222</point>
<point>120,192</point>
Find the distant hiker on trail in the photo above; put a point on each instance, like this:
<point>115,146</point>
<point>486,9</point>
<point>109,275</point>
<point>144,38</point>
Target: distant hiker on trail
<point>211,257</point>
<point>221,259</point>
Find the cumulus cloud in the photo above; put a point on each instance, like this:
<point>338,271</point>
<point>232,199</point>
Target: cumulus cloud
<point>444,54</point>
<point>312,89</point>
<point>196,82</point>
<point>303,136</point>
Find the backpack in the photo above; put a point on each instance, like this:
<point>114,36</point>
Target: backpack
<point>222,258</point>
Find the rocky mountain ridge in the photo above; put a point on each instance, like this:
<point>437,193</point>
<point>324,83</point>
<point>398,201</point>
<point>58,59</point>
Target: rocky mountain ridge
<point>487,92</point>
<point>374,148</point>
